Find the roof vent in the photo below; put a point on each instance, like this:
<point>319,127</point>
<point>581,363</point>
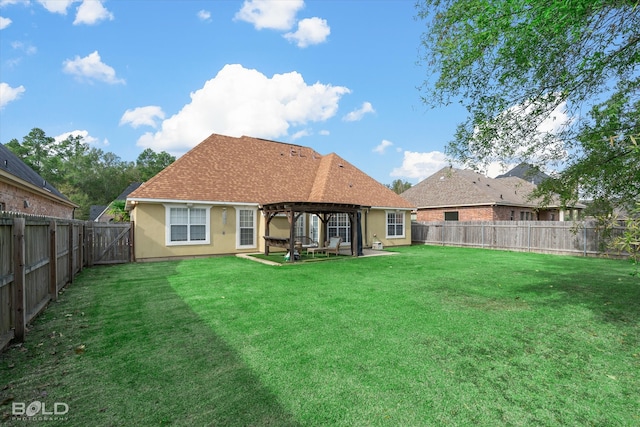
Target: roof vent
<point>340,165</point>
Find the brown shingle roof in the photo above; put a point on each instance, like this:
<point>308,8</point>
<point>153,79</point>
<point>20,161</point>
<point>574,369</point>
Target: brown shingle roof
<point>456,187</point>
<point>251,170</point>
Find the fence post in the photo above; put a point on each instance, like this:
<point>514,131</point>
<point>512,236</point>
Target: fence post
<point>70,264</point>
<point>80,247</point>
<point>19,296</point>
<point>132,252</point>
<point>585,238</point>
<point>53,261</point>
<point>90,251</point>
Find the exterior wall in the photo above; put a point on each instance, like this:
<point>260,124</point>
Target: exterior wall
<point>150,232</point>
<point>376,229</point>
<point>14,200</point>
<point>488,213</point>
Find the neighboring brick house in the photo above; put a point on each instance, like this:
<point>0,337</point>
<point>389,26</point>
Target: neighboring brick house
<point>464,195</point>
<point>212,200</point>
<point>23,190</point>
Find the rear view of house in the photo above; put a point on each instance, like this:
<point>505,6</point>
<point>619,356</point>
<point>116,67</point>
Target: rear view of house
<point>222,196</point>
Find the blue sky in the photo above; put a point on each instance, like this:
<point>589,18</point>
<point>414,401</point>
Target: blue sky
<point>337,76</point>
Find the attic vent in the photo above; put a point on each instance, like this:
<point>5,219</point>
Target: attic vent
<point>442,178</point>
<point>488,185</point>
<point>340,165</point>
<point>5,163</point>
<point>292,152</point>
<point>474,182</point>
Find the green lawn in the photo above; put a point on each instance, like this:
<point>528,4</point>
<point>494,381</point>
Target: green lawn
<point>429,337</point>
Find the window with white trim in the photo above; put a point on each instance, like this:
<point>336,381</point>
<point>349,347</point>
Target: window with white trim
<point>339,225</point>
<point>187,225</point>
<point>300,226</point>
<point>395,224</point>
<point>246,233</point>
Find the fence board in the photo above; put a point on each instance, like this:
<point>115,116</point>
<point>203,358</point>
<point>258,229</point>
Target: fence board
<point>569,238</point>
<point>39,256</point>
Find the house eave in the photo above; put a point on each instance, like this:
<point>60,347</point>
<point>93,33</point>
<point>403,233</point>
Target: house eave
<point>12,179</point>
<point>133,201</point>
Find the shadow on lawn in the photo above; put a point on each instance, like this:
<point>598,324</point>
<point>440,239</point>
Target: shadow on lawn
<point>612,294</point>
<point>149,359</point>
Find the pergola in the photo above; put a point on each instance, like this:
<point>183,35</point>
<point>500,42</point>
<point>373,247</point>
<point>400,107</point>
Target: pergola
<point>324,211</point>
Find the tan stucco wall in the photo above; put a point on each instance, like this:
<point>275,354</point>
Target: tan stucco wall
<point>377,224</point>
<point>150,229</point>
<point>150,234</point>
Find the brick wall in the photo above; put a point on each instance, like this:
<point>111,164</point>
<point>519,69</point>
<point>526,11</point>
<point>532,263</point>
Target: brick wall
<point>488,213</point>
<point>14,199</point>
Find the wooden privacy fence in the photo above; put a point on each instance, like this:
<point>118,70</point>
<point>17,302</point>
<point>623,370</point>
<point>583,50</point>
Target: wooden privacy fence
<point>566,238</point>
<point>39,256</point>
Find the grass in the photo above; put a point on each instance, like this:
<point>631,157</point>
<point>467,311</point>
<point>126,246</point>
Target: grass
<point>432,336</point>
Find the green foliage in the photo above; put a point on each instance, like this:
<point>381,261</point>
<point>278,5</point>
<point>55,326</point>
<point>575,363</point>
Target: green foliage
<point>86,175</point>
<point>398,186</point>
<point>149,163</point>
<point>516,64</point>
<point>117,209</point>
<point>629,241</point>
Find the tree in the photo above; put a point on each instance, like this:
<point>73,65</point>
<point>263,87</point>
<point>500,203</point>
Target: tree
<point>149,163</point>
<point>86,175</point>
<point>398,186</point>
<point>518,65</point>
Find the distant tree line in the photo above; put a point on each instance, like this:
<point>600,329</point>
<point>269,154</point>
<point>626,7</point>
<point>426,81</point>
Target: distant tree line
<point>86,175</point>
<point>398,186</point>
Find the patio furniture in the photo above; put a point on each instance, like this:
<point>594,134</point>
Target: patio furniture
<point>306,243</point>
<point>332,246</point>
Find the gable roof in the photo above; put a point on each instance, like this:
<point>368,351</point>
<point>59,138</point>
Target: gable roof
<point>11,166</point>
<point>130,188</point>
<point>458,187</point>
<point>527,172</point>
<point>252,170</point>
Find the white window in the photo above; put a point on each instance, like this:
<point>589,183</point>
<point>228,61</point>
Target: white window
<point>300,229</point>
<point>339,226</point>
<point>395,224</point>
<point>246,233</point>
<point>314,229</point>
<point>187,225</point>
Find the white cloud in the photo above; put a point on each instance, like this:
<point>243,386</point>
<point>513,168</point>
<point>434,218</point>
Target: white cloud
<point>204,15</point>
<point>84,134</point>
<point>240,101</point>
<point>8,2</point>
<point>91,68</point>
<point>26,48</point>
<point>420,165</point>
<point>57,6</point>
<point>300,134</point>
<point>359,113</point>
<point>4,22</point>
<point>382,146</point>
<point>8,93</point>
<point>270,14</point>
<point>91,12</point>
<point>310,31</point>
<point>324,132</point>
<point>143,116</point>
